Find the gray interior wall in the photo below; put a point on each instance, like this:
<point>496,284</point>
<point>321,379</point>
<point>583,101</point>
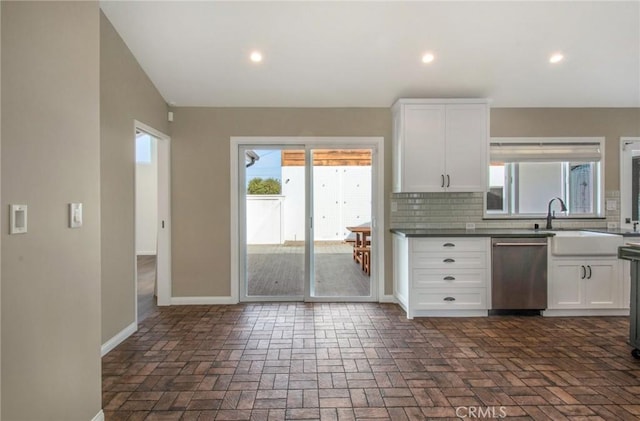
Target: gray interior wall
<point>50,157</point>
<point>126,94</point>
<point>200,168</point>
<point>200,179</point>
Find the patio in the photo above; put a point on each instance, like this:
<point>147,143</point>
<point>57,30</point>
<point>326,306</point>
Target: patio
<point>278,270</point>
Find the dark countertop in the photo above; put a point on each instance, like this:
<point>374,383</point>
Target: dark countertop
<point>501,232</point>
<point>490,232</point>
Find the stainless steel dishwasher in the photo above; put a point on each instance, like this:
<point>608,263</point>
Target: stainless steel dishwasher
<point>518,274</point>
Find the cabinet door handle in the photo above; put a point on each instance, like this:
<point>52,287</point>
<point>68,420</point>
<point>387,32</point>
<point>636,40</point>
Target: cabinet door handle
<point>584,272</point>
<point>442,180</point>
<point>448,245</point>
<point>449,299</point>
<point>449,278</point>
<point>448,180</point>
<point>589,266</point>
<point>448,260</point>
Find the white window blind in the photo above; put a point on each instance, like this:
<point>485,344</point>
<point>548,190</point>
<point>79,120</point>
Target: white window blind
<point>544,151</point>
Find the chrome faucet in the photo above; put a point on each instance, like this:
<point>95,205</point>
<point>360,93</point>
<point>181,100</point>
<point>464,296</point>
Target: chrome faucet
<point>563,208</point>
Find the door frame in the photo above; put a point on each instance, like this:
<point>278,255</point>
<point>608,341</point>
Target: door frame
<point>376,143</point>
<point>625,187</point>
<point>163,251</point>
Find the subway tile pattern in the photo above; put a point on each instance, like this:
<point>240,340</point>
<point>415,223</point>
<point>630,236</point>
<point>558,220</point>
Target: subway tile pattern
<point>454,210</point>
<point>290,361</point>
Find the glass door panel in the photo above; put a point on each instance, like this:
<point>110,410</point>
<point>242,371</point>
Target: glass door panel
<point>273,229</point>
<point>341,209</point>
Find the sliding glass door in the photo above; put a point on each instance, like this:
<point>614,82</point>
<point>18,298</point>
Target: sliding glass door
<point>341,205</point>
<point>306,223</point>
<point>273,230</point>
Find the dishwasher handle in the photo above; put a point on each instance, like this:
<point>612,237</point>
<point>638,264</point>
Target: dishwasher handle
<point>518,244</point>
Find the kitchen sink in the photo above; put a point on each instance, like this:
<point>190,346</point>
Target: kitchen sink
<point>585,243</point>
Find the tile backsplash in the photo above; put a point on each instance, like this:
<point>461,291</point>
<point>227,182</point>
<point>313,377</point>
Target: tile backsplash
<point>454,210</point>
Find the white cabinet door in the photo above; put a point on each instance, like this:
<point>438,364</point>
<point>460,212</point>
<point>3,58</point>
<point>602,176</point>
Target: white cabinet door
<point>440,145</point>
<point>602,284</point>
<point>422,148</point>
<point>466,147</point>
<point>566,288</point>
<point>585,284</point>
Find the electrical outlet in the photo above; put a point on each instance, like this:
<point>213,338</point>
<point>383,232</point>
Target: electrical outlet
<point>612,225</point>
<point>470,226</point>
<point>394,206</point>
<point>612,205</point>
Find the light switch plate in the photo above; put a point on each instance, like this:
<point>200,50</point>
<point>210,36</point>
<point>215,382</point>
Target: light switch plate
<point>17,219</point>
<point>75,215</point>
<point>612,205</point>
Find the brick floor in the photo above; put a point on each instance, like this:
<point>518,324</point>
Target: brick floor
<point>280,361</point>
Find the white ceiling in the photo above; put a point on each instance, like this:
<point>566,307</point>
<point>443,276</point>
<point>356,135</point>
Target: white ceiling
<point>368,54</point>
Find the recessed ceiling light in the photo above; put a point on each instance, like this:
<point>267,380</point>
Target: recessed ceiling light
<point>428,57</point>
<point>556,58</point>
<point>256,56</point>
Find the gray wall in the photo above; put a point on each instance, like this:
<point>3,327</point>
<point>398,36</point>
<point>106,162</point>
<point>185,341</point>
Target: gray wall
<point>50,157</point>
<point>200,168</point>
<point>126,94</point>
<point>200,179</point>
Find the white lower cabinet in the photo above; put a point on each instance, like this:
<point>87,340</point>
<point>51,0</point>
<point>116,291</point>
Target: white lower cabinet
<point>587,286</point>
<point>444,276</point>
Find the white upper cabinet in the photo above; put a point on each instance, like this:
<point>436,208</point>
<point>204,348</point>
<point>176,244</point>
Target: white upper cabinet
<point>440,145</point>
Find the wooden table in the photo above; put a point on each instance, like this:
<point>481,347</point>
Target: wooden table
<point>362,246</point>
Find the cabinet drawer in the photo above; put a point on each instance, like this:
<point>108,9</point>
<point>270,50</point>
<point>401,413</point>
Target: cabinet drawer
<point>449,244</point>
<point>453,278</point>
<point>449,260</point>
<point>450,298</point>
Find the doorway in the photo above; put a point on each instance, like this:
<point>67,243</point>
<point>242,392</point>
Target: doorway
<point>629,183</point>
<point>152,221</point>
<point>306,227</point>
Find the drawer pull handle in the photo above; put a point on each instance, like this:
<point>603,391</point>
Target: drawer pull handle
<point>449,299</point>
<point>449,278</point>
<point>448,260</point>
<point>448,245</point>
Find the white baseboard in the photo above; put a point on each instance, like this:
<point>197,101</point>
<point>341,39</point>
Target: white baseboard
<point>99,416</point>
<point>449,313</point>
<point>146,253</point>
<point>585,312</point>
<point>181,301</point>
<point>118,338</point>
<point>387,299</point>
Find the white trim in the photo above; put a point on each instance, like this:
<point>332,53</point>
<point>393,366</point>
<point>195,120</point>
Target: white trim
<point>378,198</point>
<point>99,416</point>
<point>624,187</point>
<point>585,312</point>
<point>384,298</point>
<point>183,301</point>
<point>146,253</point>
<point>118,338</point>
<point>163,262</point>
<point>449,313</point>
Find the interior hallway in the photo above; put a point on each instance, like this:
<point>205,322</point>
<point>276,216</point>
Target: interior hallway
<point>277,361</point>
<point>147,301</point>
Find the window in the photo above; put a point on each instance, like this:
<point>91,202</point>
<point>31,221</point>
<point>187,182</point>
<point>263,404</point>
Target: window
<point>525,174</point>
<point>143,148</point>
